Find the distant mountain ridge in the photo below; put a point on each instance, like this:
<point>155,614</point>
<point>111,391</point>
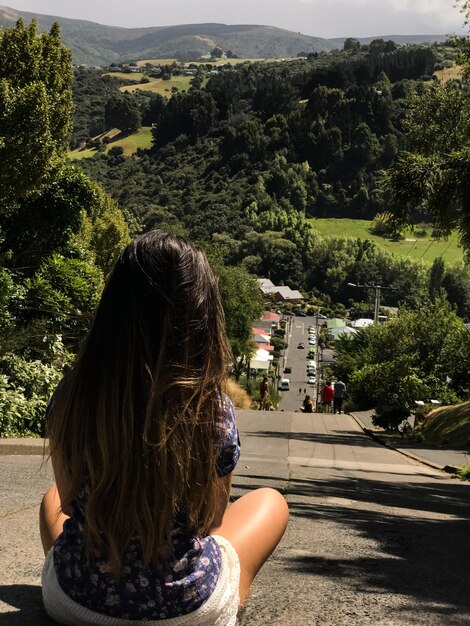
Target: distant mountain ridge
<point>97,44</point>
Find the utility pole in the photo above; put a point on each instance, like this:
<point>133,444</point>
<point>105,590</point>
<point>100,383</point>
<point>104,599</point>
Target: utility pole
<point>377,304</point>
<point>378,289</point>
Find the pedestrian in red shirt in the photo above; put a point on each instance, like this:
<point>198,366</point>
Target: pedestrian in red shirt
<point>327,394</point>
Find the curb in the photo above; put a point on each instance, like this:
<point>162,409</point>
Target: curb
<point>448,469</point>
<point>22,446</point>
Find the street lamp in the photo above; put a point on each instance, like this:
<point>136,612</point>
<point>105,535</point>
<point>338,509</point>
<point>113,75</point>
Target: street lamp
<point>377,297</point>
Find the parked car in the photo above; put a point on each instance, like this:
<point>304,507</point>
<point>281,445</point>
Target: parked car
<point>301,346</point>
<point>311,380</point>
<point>287,370</point>
<point>311,342</point>
<point>311,363</point>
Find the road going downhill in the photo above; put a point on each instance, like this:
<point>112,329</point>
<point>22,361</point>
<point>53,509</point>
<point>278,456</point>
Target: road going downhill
<point>374,537</point>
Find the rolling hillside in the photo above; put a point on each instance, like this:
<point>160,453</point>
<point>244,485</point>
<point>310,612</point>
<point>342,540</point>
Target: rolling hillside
<point>96,44</point>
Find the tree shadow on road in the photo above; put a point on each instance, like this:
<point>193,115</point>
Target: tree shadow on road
<point>420,529</point>
<point>344,437</point>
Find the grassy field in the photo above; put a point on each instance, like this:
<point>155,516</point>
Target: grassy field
<point>156,62</point>
<point>163,87</point>
<point>424,248</point>
<point>214,62</point>
<point>130,143</point>
<point>125,76</point>
<point>449,73</point>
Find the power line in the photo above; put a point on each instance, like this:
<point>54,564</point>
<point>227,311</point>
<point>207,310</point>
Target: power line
<point>432,241</point>
<point>451,242</point>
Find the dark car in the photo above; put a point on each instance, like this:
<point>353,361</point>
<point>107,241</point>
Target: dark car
<point>287,370</point>
<point>301,346</point>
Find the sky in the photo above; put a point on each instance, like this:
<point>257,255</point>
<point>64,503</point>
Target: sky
<point>322,18</point>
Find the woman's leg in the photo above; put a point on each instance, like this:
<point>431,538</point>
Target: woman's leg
<point>254,525</point>
<point>51,518</point>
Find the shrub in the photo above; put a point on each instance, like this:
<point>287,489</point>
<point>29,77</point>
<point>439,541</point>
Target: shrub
<point>238,395</point>
<point>464,472</point>
<point>390,417</point>
<point>25,390</point>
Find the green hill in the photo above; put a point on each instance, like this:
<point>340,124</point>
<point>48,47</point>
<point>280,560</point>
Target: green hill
<point>96,44</point>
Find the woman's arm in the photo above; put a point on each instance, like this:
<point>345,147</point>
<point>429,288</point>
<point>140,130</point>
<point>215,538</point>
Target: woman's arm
<point>224,485</point>
<point>61,480</point>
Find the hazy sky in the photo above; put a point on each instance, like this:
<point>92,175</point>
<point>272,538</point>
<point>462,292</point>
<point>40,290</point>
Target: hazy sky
<point>324,18</point>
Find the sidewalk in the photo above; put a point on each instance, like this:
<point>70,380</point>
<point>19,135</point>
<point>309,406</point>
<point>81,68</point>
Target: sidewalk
<point>443,459</point>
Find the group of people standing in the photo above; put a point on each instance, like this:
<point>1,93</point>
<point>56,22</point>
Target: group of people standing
<point>332,396</point>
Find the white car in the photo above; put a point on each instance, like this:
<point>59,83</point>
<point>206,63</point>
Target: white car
<point>311,342</point>
<point>311,380</point>
<point>311,363</point>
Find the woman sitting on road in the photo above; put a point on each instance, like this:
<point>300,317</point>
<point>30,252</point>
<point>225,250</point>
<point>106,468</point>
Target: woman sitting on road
<point>143,442</point>
<point>307,405</point>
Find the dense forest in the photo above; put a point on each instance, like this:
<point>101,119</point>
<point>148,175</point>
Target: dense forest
<point>243,161</point>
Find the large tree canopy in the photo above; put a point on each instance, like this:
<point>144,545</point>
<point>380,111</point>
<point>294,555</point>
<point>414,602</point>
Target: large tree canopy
<point>35,108</point>
<point>434,175</point>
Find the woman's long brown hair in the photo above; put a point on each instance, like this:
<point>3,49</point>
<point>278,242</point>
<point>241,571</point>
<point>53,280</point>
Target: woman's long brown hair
<point>136,415</point>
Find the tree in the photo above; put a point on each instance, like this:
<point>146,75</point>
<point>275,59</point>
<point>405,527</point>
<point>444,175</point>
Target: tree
<point>417,356</point>
<point>216,52</point>
<point>433,176</point>
<point>123,112</point>
<point>72,215</point>
<point>352,45</point>
<point>242,302</point>
<point>35,109</point>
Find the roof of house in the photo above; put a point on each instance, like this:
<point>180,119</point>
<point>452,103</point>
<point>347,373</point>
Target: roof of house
<point>288,294</point>
<point>362,322</point>
<point>261,338</point>
<point>264,346</point>
<point>260,331</point>
<point>266,285</point>
<point>345,330</point>
<point>261,359</point>
<point>335,322</point>
<point>269,316</point>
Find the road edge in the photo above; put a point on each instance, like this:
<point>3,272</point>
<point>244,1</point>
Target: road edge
<point>448,469</point>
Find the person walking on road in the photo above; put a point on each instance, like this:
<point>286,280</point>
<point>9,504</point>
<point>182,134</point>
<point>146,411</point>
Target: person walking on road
<point>263,393</point>
<point>327,394</point>
<point>338,396</point>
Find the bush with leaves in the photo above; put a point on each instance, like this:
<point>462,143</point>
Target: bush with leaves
<point>417,356</point>
<point>26,387</point>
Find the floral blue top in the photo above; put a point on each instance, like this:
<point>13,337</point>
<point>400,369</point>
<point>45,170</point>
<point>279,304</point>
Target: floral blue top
<point>145,594</point>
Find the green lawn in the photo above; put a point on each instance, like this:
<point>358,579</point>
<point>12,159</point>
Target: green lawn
<point>141,139</point>
<point>163,87</point>
<point>424,248</point>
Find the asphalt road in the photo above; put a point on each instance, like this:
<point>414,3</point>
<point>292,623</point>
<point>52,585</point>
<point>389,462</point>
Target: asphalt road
<point>296,359</point>
<point>374,538</point>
